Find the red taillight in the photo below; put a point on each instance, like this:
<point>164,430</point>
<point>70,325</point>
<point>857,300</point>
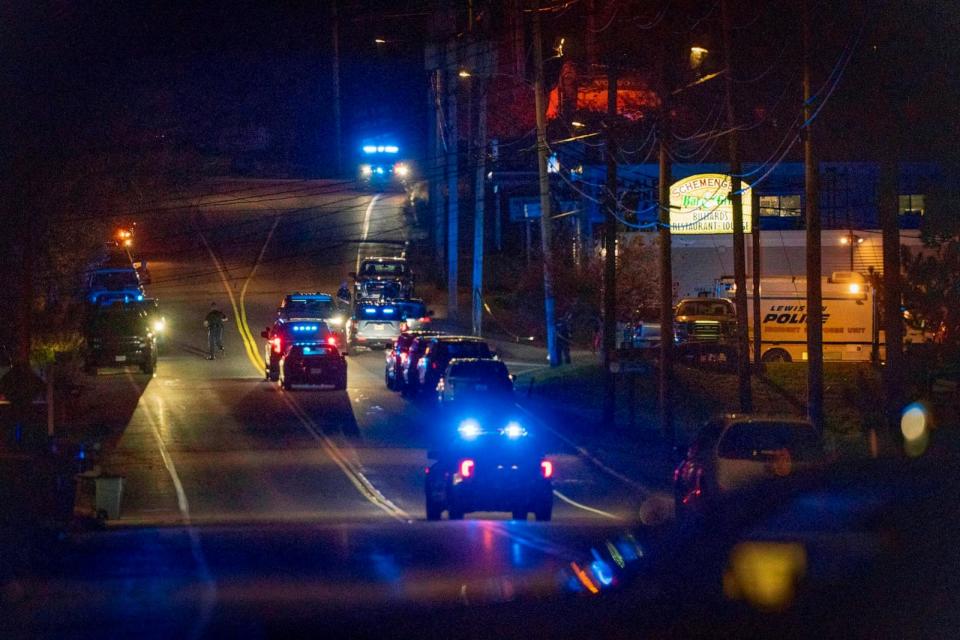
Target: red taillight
<point>332,341</point>
<point>276,344</point>
<point>466,468</point>
<point>425,319</point>
<point>546,468</point>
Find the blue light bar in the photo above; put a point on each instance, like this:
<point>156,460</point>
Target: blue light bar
<point>311,296</point>
<point>388,311</point>
<point>306,327</point>
<point>369,310</point>
<point>381,148</point>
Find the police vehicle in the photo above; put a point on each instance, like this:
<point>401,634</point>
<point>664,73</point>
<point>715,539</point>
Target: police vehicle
<point>374,324</point>
<point>381,168</point>
<point>283,334</point>
<point>107,285</point>
<point>492,465</point>
<point>313,364</point>
<point>315,306</point>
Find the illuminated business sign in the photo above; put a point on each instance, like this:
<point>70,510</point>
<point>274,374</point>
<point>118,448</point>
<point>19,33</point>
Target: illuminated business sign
<point>701,204</point>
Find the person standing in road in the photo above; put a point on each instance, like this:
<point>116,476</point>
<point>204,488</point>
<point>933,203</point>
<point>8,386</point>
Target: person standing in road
<point>214,323</point>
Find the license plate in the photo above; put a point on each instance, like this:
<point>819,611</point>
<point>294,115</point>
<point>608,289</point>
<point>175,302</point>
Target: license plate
<point>381,327</point>
<point>480,387</point>
<point>120,358</point>
<point>316,371</point>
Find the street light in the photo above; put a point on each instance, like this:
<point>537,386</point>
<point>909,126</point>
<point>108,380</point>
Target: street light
<point>463,73</point>
<point>697,56</point>
<point>578,125</point>
<point>379,41</point>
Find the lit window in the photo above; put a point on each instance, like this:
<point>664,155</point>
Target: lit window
<point>911,205</point>
<point>780,206</point>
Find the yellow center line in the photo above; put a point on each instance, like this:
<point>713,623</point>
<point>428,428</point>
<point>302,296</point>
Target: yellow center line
<point>356,477</point>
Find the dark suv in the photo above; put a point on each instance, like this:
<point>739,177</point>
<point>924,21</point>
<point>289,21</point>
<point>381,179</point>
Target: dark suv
<point>397,357</point>
<point>440,351</point>
<point>491,467</point>
<point>313,364</point>
<point>283,334</point>
<point>120,336</point>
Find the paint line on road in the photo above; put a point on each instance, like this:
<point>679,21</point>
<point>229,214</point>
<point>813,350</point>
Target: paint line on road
<point>613,473</point>
<point>251,352</point>
<point>366,228</point>
<point>356,477</point>
<point>574,503</point>
<point>209,597</point>
<point>246,283</point>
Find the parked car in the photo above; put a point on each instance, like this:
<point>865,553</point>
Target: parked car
<point>414,314</point>
<point>313,364</point>
<point>119,336</point>
<point>735,451</point>
<point>478,379</point>
<point>440,351</point>
<point>397,356</point>
<point>384,279</point>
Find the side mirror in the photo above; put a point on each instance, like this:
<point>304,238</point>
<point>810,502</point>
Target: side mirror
<point>265,334</point>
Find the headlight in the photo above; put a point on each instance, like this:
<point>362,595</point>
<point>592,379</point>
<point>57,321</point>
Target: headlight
<point>402,170</point>
<point>336,321</point>
<point>366,170</point>
<point>469,429</point>
<point>159,325</point>
<point>514,430</point>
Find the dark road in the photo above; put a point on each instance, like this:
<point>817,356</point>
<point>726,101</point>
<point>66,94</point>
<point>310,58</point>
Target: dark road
<point>227,474</point>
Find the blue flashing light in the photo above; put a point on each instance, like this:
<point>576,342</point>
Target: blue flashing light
<point>388,311</point>
<point>369,148</point>
<point>140,297</point>
<point>369,310</point>
<point>391,148</point>
<point>323,297</point>
<point>514,430</point>
<point>379,171</point>
<point>469,429</point>
<point>305,327</point>
<point>602,572</point>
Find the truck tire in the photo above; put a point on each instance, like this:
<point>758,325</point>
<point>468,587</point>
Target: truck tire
<point>776,355</point>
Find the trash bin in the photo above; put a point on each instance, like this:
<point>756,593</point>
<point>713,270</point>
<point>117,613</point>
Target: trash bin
<point>109,493</point>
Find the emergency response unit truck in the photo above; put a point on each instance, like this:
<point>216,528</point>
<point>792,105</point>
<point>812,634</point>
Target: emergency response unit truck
<point>850,328</point>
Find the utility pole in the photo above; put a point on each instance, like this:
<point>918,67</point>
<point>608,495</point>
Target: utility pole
<point>814,282</point>
<point>337,141</point>
<point>480,185</point>
<point>736,201</point>
<point>892,314</point>
<point>610,256</point>
<point>664,388</point>
<point>453,181</point>
<point>755,237</point>
<point>539,104</point>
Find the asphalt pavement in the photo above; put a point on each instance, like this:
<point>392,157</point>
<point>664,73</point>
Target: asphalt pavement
<point>205,446</point>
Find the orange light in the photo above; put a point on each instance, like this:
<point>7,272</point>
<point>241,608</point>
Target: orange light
<point>584,578</point>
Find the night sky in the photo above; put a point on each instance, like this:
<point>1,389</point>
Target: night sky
<point>218,76</point>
